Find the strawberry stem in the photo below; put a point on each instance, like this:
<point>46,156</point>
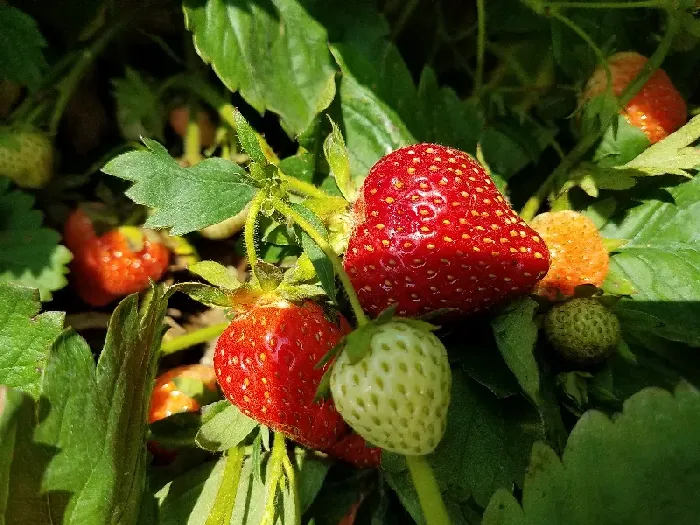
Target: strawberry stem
<point>303,188</point>
<point>424,481</point>
<point>279,450</point>
<point>195,337</point>
<point>292,480</point>
<point>193,143</point>
<point>533,204</point>
<point>323,244</point>
<point>249,231</point>
<point>228,488</point>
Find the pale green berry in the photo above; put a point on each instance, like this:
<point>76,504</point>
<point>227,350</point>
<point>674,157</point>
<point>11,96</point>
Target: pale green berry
<point>396,396</point>
<point>582,331</point>
<point>27,160</point>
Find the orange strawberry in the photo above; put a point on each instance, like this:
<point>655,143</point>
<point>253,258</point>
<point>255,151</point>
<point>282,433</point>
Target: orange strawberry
<point>118,263</point>
<point>658,109</point>
<point>577,252</point>
<point>168,399</point>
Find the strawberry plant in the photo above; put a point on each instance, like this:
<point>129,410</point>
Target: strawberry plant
<point>290,262</point>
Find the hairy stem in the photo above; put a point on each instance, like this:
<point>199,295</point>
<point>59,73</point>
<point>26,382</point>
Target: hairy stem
<point>428,491</point>
<point>276,464</point>
<point>228,488</point>
<point>195,337</point>
<point>249,232</point>
<point>303,188</point>
<point>292,480</point>
<point>322,243</point>
<point>586,142</point>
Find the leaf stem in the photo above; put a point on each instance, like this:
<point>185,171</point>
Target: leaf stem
<point>279,450</point>
<point>303,188</point>
<point>323,244</point>
<point>193,144</point>
<point>222,510</point>
<point>195,337</point>
<point>428,491</point>
<point>574,156</point>
<point>480,45</point>
<point>249,232</point>
<point>292,480</point>
<point>69,84</point>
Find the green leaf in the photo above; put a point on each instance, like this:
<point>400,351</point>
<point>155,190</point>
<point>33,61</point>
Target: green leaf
<point>216,274</point>
<point>21,48</point>
<point>183,199</point>
<point>337,156</point>
<point>642,468</point>
<point>312,473</point>
<point>139,110</point>
<point>321,262</point>
<point>248,139</point>
<point>273,52</point>
<point>486,445</point>
<point>207,295</point>
<point>26,338</point>
<point>621,143</point>
<point>516,337</point>
<point>22,464</point>
<point>94,419</point>
<point>223,427</point>
<point>189,498</point>
<point>175,431</point>
<point>29,252</point>
<point>673,155</point>
<point>372,128</point>
<point>449,120</point>
<point>661,260</point>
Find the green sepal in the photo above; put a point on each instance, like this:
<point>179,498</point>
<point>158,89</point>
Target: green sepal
<point>268,275</point>
<point>216,274</point>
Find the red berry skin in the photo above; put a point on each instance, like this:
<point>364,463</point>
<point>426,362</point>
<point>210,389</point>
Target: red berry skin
<point>265,361</point>
<point>433,232</point>
<point>658,109</point>
<point>108,267</point>
<point>353,449</point>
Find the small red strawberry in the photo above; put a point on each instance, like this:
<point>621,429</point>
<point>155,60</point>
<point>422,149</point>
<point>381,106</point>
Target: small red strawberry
<point>107,267</point>
<point>432,232</point>
<point>658,109</point>
<point>578,254</point>
<point>265,364</point>
<point>354,449</point>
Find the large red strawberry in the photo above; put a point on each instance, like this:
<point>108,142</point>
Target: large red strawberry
<point>433,232</point>
<point>658,109</point>
<point>265,364</point>
<point>107,267</point>
<point>354,449</point>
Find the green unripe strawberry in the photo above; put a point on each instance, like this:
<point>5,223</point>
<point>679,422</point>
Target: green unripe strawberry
<point>27,159</point>
<point>582,331</point>
<point>396,396</point>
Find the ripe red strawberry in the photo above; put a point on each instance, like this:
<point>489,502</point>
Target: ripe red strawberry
<point>578,254</point>
<point>432,232</point>
<point>265,363</point>
<point>354,449</point>
<point>658,109</point>
<point>113,265</point>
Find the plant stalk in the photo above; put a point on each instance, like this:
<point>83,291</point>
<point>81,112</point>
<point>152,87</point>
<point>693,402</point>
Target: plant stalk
<point>225,500</point>
<point>428,491</point>
<point>480,46</point>
<point>279,450</point>
<point>195,337</point>
<point>249,232</point>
